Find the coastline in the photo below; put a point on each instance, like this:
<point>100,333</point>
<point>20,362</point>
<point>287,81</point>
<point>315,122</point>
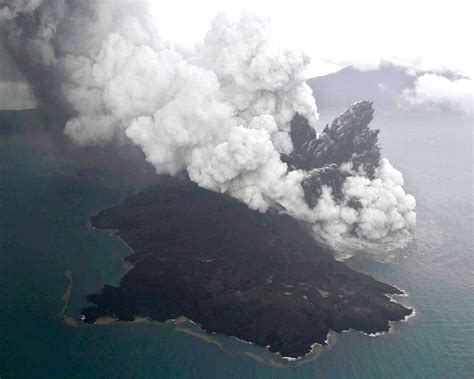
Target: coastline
<point>313,349</point>
<point>275,360</point>
<point>111,233</point>
<point>209,337</point>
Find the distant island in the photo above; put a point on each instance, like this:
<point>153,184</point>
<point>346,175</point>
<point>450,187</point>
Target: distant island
<point>383,86</point>
<point>258,277</point>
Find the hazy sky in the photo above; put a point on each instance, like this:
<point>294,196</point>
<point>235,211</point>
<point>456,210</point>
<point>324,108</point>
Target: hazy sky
<point>429,35</point>
<point>337,33</point>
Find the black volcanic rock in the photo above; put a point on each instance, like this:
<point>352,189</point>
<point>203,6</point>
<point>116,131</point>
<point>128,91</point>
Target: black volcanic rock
<point>329,175</point>
<point>349,139</point>
<point>258,277</point>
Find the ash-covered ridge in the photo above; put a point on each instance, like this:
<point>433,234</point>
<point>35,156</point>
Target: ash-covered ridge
<point>258,277</point>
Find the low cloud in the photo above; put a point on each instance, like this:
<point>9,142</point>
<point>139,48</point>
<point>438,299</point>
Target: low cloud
<point>437,92</point>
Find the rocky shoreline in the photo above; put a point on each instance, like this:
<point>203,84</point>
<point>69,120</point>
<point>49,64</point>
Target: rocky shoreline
<point>257,277</point>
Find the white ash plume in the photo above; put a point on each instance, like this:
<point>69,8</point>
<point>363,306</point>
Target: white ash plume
<point>224,116</point>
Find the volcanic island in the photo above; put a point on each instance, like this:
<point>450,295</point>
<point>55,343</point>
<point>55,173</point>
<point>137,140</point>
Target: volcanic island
<point>259,277</point>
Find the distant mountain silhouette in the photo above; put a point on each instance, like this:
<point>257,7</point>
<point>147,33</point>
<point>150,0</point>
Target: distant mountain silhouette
<point>382,86</point>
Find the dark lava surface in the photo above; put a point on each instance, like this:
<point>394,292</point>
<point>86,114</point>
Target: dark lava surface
<point>258,277</point>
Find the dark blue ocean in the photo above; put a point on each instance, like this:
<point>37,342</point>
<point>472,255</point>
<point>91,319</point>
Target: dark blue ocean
<point>44,233</point>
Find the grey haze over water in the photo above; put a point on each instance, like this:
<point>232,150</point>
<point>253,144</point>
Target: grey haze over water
<point>44,232</point>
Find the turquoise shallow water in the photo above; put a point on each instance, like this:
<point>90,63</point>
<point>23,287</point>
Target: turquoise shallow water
<point>43,232</point>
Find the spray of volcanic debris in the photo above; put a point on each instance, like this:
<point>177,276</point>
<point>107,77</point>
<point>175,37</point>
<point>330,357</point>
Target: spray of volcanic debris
<point>232,116</point>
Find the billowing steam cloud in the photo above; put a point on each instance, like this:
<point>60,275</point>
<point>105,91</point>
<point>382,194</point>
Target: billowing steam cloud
<point>223,116</point>
<point>12,9</point>
<point>385,215</point>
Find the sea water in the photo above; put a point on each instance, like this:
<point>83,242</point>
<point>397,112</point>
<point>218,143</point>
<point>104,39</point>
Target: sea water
<point>44,232</point>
